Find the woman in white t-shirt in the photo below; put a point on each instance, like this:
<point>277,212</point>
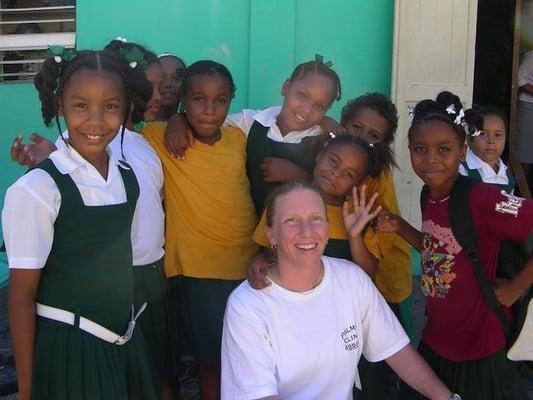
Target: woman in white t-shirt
<point>302,336</point>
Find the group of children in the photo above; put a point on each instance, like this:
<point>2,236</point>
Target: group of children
<point>181,201</point>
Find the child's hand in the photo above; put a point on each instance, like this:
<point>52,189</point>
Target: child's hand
<point>33,153</point>
<point>257,272</point>
<point>178,136</point>
<point>277,169</point>
<point>362,214</point>
<point>506,292</point>
<point>388,222</point>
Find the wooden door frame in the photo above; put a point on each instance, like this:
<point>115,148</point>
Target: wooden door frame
<point>515,164</point>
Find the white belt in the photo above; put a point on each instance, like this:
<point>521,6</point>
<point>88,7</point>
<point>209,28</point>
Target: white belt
<point>89,326</point>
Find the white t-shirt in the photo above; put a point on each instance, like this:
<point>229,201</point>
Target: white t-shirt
<point>32,205</point>
<point>306,346</point>
<point>488,175</point>
<point>525,75</point>
<point>267,117</point>
<point>148,226</point>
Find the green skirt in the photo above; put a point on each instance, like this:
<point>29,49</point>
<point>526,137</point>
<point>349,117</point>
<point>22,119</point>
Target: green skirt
<point>156,322</point>
<point>204,304</point>
<point>72,364</point>
<point>490,378</point>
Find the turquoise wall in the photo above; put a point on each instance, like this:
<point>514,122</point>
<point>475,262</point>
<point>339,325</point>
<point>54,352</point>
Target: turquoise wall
<point>260,41</point>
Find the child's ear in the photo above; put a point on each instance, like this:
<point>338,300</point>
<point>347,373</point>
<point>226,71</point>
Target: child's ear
<point>285,87</point>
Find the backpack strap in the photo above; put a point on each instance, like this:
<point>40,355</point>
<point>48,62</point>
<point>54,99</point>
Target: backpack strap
<point>424,196</point>
<point>464,230</point>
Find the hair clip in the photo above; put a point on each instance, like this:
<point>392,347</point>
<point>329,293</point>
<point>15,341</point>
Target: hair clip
<point>61,53</point>
<point>320,59</point>
<point>122,39</point>
<point>410,111</point>
<point>134,57</point>
<point>451,109</point>
<point>477,132</point>
<point>459,119</point>
<point>332,136</point>
<point>371,145</point>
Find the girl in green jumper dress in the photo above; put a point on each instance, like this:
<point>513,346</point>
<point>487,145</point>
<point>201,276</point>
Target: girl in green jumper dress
<point>67,229</point>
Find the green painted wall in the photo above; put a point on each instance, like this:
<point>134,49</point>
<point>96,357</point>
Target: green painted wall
<point>260,41</point>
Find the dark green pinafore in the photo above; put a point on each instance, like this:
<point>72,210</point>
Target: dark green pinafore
<point>259,147</point>
<point>475,175</point>
<point>89,273</point>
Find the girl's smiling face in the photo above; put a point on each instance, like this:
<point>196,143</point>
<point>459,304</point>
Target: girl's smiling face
<point>338,169</point>
<point>93,105</point>
<point>490,143</point>
<point>206,101</point>
<point>436,152</point>
<point>306,101</point>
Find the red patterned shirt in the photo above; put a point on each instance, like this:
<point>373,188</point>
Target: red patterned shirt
<point>460,325</point>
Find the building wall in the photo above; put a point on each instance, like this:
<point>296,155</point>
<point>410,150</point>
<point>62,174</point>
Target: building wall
<point>260,41</point>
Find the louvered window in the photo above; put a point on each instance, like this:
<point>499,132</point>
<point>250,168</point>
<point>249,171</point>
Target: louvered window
<point>27,28</point>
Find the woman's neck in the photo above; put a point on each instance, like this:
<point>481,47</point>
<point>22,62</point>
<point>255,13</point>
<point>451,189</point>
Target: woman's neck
<point>298,279</point>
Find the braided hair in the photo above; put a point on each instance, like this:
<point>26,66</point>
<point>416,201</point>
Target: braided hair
<point>446,108</point>
<point>205,67</point>
<point>54,76</point>
<point>318,67</point>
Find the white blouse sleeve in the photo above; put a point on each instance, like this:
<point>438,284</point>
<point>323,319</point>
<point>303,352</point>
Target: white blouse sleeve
<point>248,360</point>
<point>242,120</point>
<point>30,209</point>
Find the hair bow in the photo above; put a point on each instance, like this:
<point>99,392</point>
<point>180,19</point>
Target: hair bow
<point>61,53</point>
<point>134,57</point>
<point>122,39</point>
<point>459,117</point>
<point>477,132</point>
<point>332,136</point>
<point>320,59</point>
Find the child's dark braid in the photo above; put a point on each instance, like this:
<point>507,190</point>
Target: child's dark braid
<point>447,108</point>
<point>50,92</point>
<point>378,155</point>
<point>318,67</point>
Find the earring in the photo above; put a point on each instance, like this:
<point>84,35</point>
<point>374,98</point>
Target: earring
<point>273,246</point>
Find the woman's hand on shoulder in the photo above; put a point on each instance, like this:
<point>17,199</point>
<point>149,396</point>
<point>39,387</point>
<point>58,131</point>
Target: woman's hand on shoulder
<point>257,271</point>
<point>178,136</point>
<point>363,212</point>
<point>31,154</point>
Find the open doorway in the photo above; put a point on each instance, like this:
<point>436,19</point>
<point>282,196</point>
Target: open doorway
<point>503,34</point>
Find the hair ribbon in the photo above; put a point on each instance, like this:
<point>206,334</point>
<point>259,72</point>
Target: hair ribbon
<point>61,53</point>
<point>320,59</point>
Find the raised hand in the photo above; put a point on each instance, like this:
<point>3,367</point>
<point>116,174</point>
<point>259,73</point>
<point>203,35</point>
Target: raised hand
<point>356,221</point>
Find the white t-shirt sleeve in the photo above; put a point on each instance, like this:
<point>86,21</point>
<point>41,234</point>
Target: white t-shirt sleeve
<point>383,336</point>
<point>30,209</point>
<point>242,120</point>
<point>248,361</point>
<point>462,170</point>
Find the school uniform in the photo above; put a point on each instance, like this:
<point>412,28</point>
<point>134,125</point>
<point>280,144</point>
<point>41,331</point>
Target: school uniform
<point>463,341</point>
<point>63,217</point>
<point>265,140</point>
<point>208,237</point>
<point>479,170</point>
<point>147,238</point>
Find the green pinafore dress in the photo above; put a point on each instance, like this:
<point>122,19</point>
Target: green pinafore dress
<point>89,273</point>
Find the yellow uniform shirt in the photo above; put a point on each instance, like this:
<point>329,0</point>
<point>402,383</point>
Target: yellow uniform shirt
<point>210,216</point>
<point>393,276</point>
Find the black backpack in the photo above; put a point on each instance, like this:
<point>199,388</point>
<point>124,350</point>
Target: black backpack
<point>510,259</point>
